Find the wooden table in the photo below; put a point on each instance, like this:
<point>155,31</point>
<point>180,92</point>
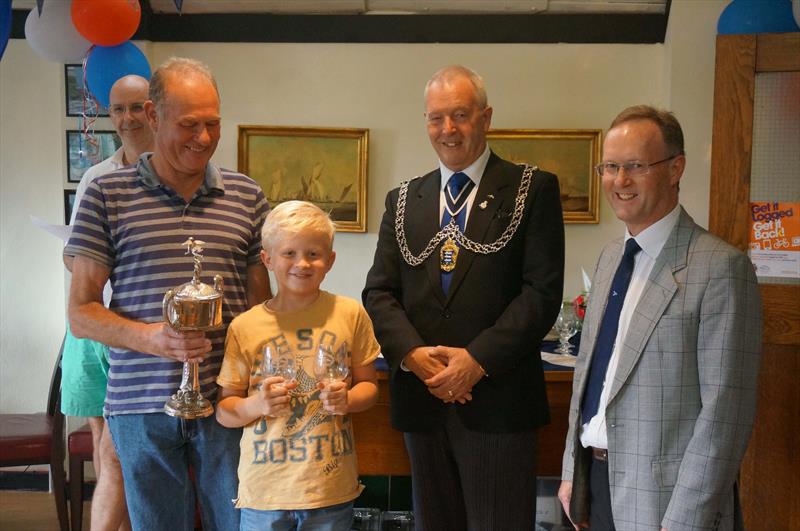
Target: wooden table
<point>381,451</point>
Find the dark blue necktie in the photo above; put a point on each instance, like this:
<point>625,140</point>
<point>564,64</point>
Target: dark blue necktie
<point>608,331</point>
<point>456,192</point>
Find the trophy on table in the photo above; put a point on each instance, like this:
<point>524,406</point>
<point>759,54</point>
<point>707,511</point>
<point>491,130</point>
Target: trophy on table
<point>192,306</point>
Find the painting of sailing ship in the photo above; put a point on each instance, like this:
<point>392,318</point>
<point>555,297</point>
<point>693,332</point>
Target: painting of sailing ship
<point>569,153</point>
<point>326,166</point>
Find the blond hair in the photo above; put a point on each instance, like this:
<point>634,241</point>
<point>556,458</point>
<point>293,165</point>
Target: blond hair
<point>295,217</point>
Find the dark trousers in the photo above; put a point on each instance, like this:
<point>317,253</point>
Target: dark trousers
<point>468,480</point>
<point>600,516</point>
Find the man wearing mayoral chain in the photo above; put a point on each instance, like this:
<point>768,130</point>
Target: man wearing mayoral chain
<point>461,292</point>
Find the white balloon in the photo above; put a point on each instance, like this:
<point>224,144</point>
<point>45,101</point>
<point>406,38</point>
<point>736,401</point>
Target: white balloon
<point>53,36</point>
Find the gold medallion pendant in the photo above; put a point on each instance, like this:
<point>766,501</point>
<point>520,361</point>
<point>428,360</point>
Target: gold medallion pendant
<point>448,255</point>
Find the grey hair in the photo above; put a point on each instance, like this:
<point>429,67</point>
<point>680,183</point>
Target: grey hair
<point>181,66</point>
<point>449,73</point>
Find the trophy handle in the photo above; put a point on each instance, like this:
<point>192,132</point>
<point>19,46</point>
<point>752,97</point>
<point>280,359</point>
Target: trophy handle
<point>168,308</point>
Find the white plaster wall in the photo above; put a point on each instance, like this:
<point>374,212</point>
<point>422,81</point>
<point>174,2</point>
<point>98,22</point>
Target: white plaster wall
<point>689,74</point>
<point>380,87</point>
<point>31,182</point>
<point>376,86</point>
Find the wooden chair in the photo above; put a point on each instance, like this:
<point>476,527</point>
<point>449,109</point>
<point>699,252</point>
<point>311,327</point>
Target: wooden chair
<point>38,439</point>
<point>80,450</point>
<point>80,447</point>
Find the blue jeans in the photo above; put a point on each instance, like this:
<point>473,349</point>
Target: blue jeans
<point>156,450</point>
<point>333,518</point>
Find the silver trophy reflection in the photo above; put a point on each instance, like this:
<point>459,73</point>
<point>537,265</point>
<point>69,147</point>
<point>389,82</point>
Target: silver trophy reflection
<point>192,306</point>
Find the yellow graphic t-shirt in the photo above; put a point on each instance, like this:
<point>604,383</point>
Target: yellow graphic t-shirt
<point>305,460</point>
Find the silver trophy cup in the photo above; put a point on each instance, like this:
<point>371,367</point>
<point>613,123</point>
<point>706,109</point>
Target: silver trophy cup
<point>192,306</point>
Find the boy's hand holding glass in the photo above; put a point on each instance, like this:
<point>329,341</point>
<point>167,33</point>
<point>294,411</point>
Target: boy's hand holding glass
<point>334,397</point>
<point>331,371</point>
<point>279,377</point>
<point>274,397</point>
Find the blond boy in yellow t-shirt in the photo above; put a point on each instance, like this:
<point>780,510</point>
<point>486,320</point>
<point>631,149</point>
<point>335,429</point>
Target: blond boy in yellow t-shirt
<point>298,466</point>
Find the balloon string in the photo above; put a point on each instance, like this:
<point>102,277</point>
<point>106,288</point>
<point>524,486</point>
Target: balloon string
<point>90,108</point>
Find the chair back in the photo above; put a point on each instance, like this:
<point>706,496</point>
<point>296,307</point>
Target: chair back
<point>54,395</point>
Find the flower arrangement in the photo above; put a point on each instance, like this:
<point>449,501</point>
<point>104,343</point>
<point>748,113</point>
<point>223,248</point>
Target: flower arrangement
<point>579,305</point>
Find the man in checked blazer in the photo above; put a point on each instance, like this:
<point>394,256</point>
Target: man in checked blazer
<point>663,449</point>
<point>467,386</point>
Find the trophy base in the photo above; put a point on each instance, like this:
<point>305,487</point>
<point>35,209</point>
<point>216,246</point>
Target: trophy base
<point>188,405</point>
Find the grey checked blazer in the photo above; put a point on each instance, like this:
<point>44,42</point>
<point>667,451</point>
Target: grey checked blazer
<point>682,402</point>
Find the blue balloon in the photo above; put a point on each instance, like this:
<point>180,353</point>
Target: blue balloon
<point>757,16</point>
<point>106,64</point>
<point>5,24</point>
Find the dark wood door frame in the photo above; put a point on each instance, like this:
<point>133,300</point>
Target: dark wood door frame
<point>770,474</point>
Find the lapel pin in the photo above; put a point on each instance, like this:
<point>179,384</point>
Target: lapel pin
<point>483,205</point>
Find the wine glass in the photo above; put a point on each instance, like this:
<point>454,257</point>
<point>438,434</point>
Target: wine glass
<point>330,366</point>
<point>278,362</point>
<point>566,326</point>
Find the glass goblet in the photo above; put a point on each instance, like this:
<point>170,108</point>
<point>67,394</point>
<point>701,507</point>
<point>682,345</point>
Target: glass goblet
<point>278,362</point>
<point>330,366</point>
<point>566,326</point>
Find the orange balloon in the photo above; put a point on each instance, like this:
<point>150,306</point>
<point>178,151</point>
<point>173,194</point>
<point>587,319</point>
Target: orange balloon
<point>106,22</point>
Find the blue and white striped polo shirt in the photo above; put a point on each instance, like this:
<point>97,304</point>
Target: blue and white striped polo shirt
<point>136,226</point>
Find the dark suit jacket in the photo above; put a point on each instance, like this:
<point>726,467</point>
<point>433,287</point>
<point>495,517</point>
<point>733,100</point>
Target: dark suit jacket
<point>499,306</point>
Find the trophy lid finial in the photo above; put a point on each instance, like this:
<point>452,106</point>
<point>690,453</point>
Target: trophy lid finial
<point>195,248</point>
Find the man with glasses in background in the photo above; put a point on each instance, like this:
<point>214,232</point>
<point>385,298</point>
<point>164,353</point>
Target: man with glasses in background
<point>85,362</point>
<point>664,391</point>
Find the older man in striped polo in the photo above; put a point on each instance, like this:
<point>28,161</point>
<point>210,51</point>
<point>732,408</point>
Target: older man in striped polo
<point>130,227</point>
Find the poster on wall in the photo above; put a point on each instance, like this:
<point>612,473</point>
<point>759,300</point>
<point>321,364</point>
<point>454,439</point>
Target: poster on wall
<point>775,238</point>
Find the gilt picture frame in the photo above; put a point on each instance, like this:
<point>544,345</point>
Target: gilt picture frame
<point>569,153</point>
<point>326,166</point>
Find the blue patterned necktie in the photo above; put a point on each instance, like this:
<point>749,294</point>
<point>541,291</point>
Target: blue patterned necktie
<point>608,331</point>
<point>456,192</point>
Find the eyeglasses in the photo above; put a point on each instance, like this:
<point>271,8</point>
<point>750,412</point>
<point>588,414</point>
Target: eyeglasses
<point>133,108</point>
<point>633,168</point>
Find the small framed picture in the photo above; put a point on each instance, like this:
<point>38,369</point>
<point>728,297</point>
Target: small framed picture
<point>69,204</point>
<point>76,94</point>
<point>83,152</point>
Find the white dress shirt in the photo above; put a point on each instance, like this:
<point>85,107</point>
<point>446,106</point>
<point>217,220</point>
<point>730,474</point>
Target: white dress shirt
<point>474,171</point>
<point>651,240</point>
